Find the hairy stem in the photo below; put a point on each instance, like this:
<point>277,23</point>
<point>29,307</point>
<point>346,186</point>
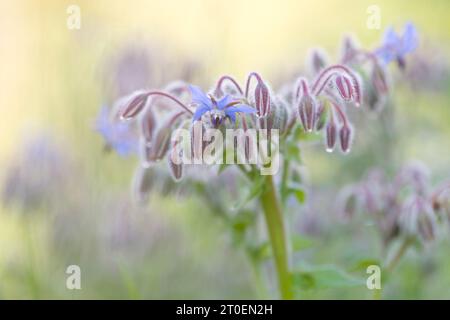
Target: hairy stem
<point>234,82</point>
<point>277,236</point>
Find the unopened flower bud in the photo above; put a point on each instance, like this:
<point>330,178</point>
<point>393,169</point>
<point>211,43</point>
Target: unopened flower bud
<point>344,86</point>
<point>418,219</point>
<point>307,106</point>
<point>197,143</point>
<point>345,136</point>
<point>331,132</point>
<point>133,106</point>
<point>262,99</point>
<point>280,115</point>
<point>160,143</point>
<point>307,112</point>
<point>148,123</point>
<point>321,116</point>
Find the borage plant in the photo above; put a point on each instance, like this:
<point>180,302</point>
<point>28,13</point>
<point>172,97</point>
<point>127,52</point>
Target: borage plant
<point>263,130</point>
<point>406,211</point>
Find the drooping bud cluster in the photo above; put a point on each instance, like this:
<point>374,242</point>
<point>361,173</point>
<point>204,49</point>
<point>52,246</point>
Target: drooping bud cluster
<point>157,121</point>
<point>373,63</point>
<point>316,105</point>
<point>405,206</point>
<point>323,104</point>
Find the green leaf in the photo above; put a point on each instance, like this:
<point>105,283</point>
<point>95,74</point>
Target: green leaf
<point>362,264</point>
<point>264,250</point>
<point>297,190</point>
<point>292,151</point>
<point>255,190</point>
<point>323,278</point>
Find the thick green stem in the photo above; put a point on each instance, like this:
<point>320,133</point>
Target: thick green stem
<point>277,236</point>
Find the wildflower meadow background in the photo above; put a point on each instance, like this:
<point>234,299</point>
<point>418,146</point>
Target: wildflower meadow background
<point>80,186</point>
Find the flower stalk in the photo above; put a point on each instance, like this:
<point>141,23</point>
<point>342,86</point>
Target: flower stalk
<point>277,237</point>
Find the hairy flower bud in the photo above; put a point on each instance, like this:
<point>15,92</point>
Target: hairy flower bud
<point>280,115</point>
<point>344,87</point>
<point>262,99</point>
<point>307,106</point>
<point>133,105</point>
<point>418,219</point>
<point>158,147</point>
<point>331,132</point>
<point>197,143</point>
<point>307,112</point>
<point>345,136</point>
<point>148,124</point>
<point>321,116</point>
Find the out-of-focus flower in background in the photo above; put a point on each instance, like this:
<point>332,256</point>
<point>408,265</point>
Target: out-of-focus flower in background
<point>40,171</point>
<point>395,47</point>
<point>118,135</point>
<point>401,207</point>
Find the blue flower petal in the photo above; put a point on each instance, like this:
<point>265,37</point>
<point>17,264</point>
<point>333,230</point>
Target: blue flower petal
<point>199,97</point>
<point>395,47</point>
<point>118,135</point>
<point>201,110</point>
<point>409,39</point>
<point>222,103</point>
<point>240,108</point>
<point>231,111</point>
<point>232,117</point>
<point>390,37</point>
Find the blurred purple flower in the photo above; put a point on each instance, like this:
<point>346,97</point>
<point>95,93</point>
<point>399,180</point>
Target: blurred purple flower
<point>118,135</point>
<point>225,107</point>
<point>395,47</point>
<point>39,170</point>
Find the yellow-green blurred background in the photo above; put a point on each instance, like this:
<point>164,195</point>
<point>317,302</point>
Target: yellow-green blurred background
<point>53,81</point>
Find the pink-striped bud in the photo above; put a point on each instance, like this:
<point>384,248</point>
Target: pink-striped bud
<point>345,136</point>
<point>307,112</point>
<point>344,86</point>
<point>307,106</point>
<point>148,123</point>
<point>197,143</point>
<point>331,132</point>
<point>133,106</point>
<point>159,145</point>
<point>262,99</point>
<point>321,116</point>
<point>418,219</point>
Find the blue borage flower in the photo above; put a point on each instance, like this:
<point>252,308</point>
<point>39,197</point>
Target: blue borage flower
<point>117,135</point>
<point>219,109</point>
<point>395,47</point>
